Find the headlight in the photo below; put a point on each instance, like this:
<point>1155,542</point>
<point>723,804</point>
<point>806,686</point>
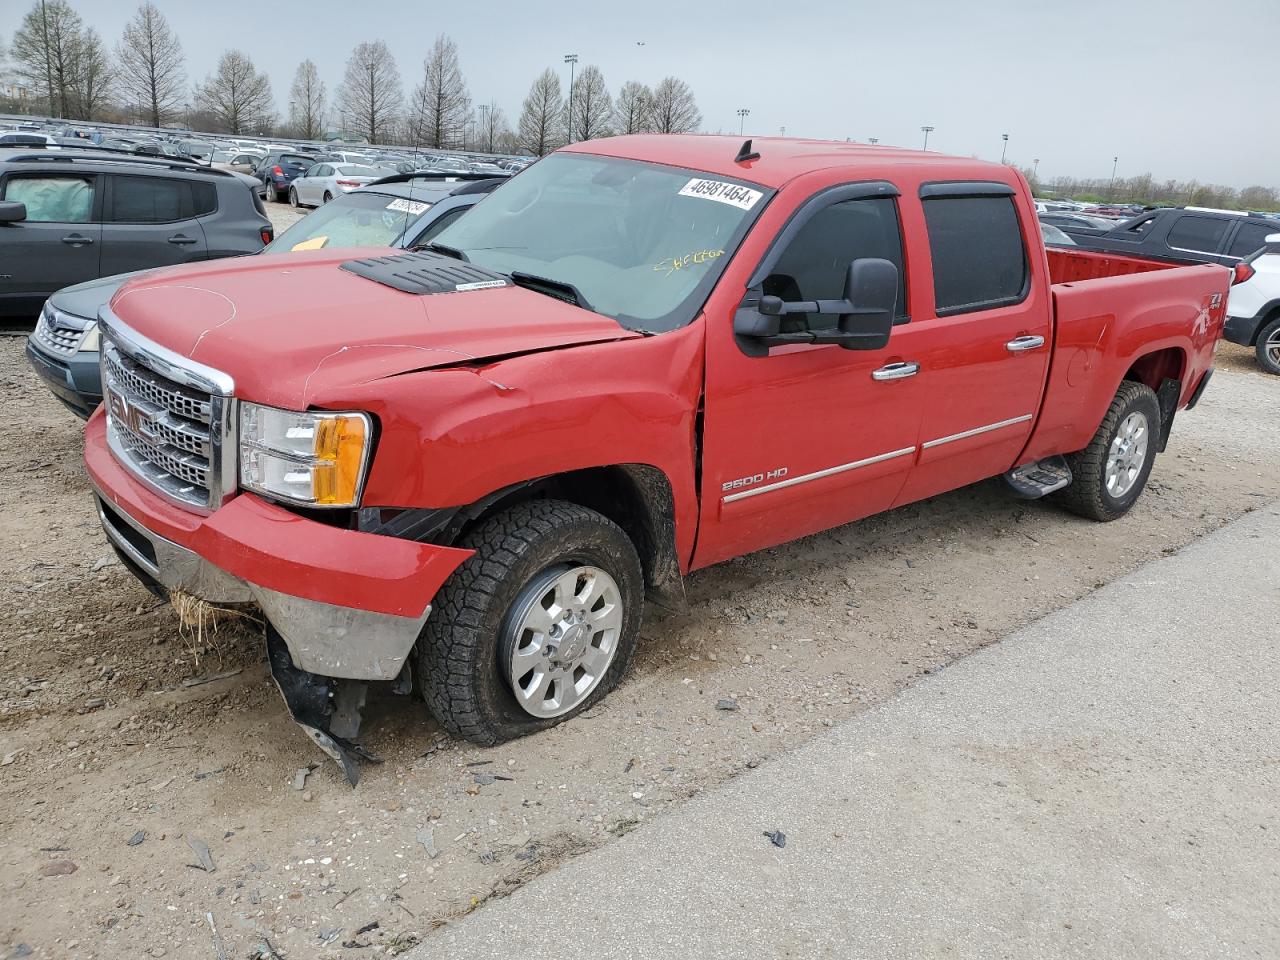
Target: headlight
<point>317,459</point>
<point>92,340</point>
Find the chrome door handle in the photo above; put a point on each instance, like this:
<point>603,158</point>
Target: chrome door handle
<point>896,371</point>
<point>1019,344</point>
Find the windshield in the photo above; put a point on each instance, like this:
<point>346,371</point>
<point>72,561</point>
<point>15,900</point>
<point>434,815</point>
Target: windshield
<point>357,219</point>
<point>641,243</point>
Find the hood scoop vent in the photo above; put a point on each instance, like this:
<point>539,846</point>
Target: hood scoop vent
<point>423,273</point>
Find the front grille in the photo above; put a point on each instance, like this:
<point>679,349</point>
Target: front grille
<point>59,333</point>
<point>167,432</point>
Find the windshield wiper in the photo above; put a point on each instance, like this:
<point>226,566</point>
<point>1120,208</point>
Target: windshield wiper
<point>552,288</point>
<point>448,251</point>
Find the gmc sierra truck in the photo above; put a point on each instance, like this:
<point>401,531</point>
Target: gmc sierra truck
<point>463,469</point>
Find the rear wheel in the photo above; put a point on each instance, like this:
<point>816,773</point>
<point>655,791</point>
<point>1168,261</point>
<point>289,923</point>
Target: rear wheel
<point>534,628</point>
<point>293,197</point>
<point>1268,347</point>
<point>327,196</point>
<point>270,195</point>
<point>1110,474</point>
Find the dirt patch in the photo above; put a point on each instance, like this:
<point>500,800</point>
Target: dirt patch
<point>110,765</point>
<point>1238,359</point>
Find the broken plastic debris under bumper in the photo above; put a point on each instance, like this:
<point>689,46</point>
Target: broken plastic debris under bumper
<point>347,604</point>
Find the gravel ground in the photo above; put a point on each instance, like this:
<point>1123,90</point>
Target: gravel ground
<point>115,771</point>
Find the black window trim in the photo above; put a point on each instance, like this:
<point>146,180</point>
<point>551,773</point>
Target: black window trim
<point>827,197</point>
<point>1222,242</point>
<point>968,190</point>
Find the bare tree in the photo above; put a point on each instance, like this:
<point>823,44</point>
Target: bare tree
<point>631,111</point>
<point>592,109</point>
<point>441,107</point>
<point>370,96</point>
<point>494,129</point>
<point>45,48</point>
<point>153,71</point>
<point>540,123</point>
<point>237,95</point>
<point>92,78</point>
<point>306,107</point>
<point>674,109</point>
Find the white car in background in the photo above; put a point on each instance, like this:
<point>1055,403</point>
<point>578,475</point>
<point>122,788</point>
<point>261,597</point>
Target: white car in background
<point>324,181</point>
<point>1253,306</point>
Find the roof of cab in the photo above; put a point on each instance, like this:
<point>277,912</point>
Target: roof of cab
<point>781,159</point>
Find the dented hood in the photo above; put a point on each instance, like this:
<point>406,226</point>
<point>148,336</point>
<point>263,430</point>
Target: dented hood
<point>294,329</point>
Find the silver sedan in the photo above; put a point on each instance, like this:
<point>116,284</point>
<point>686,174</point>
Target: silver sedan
<point>324,181</point>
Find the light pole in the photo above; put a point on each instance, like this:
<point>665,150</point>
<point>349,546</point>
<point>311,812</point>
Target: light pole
<point>742,118</point>
<point>571,59</point>
<point>926,131</point>
<point>1035,167</point>
<point>1004,150</point>
<point>1111,189</point>
<point>782,131</point>
<point>488,130</point>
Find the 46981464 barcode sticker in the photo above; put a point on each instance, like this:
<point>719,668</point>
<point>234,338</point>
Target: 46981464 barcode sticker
<point>722,192</point>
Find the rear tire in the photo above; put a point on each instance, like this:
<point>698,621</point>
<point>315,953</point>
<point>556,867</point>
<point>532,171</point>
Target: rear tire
<point>327,196</point>
<point>1268,347</point>
<point>270,196</point>
<point>1110,474</point>
<point>293,198</point>
<point>479,627</point>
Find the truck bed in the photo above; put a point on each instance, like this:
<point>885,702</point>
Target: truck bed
<point>1118,316</point>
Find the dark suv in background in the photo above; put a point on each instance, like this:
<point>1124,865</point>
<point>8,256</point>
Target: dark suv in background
<point>279,168</point>
<point>1181,234</point>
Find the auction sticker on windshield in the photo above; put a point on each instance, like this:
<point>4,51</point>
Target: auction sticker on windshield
<point>412,207</point>
<point>722,192</point>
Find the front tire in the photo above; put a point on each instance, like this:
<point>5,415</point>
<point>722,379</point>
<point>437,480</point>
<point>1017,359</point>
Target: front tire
<point>1110,474</point>
<point>536,627</point>
<point>1268,347</point>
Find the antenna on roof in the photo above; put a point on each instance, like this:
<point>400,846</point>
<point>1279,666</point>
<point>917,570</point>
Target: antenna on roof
<point>746,154</point>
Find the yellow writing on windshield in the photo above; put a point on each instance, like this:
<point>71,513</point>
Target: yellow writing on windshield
<point>675,264</point>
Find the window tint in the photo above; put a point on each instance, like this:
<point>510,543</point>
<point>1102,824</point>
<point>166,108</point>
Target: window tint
<point>978,258</point>
<point>204,199</point>
<point>816,262</point>
<point>1252,237</point>
<point>52,198</point>
<point>149,200</point>
<point>1198,233</point>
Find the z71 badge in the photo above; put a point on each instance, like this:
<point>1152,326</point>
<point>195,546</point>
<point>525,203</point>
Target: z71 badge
<point>752,480</point>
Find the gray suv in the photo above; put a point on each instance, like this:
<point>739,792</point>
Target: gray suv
<point>70,216</point>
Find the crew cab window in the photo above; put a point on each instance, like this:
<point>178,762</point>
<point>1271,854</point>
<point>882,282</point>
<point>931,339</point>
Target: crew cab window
<point>816,262</point>
<point>53,198</point>
<point>149,200</point>
<point>1251,238</point>
<point>979,261</point>
<point>1201,234</point>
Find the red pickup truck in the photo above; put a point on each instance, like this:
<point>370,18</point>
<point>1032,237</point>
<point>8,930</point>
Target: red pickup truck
<point>468,465</point>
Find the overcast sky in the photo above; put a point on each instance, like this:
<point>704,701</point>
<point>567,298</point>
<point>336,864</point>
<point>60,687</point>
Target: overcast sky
<point>1180,88</point>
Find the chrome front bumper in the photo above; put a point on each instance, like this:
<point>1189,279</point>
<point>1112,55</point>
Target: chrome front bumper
<point>323,638</point>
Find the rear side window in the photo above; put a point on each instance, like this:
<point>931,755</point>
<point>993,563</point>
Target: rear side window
<point>149,200</point>
<point>204,199</point>
<point>816,262</point>
<point>1199,234</point>
<point>979,261</point>
<point>53,198</point>
<point>1251,237</point>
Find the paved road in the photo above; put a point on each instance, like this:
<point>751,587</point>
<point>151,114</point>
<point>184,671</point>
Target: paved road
<point>1102,784</point>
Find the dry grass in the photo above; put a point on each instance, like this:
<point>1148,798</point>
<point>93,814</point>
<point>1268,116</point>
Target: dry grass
<point>200,622</point>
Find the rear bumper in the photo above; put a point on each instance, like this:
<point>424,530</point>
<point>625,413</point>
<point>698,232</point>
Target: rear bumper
<point>1242,330</point>
<point>348,604</point>
<point>76,381</point>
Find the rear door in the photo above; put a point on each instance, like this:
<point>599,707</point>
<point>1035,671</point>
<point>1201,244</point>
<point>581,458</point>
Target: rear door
<point>1249,237</point>
<point>59,243</point>
<point>809,436</point>
<point>151,222</point>
<point>1199,236</point>
<point>987,353</point>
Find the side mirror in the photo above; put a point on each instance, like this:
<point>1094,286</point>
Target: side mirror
<point>11,211</point>
<point>866,313</point>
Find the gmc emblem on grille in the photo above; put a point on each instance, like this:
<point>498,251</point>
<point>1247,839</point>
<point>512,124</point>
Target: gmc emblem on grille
<point>134,418</point>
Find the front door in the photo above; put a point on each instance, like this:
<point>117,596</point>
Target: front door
<point>986,357</point>
<point>58,244</point>
<point>809,437</point>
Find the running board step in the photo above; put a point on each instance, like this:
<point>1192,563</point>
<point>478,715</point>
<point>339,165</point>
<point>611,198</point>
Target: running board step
<point>1031,481</point>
